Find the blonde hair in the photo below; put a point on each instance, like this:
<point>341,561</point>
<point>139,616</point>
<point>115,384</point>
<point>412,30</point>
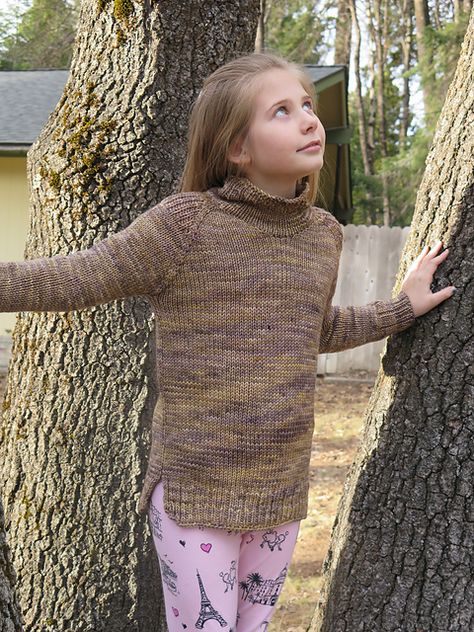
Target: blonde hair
<point>222,113</point>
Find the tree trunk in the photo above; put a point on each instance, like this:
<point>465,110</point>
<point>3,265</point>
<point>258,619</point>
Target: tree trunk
<point>401,556</point>
<point>377,29</point>
<point>368,165</point>
<point>436,15</point>
<point>342,54</point>
<point>406,11</point>
<point>457,10</point>
<point>260,36</point>
<point>372,97</point>
<point>81,385</point>
<point>422,20</point>
<point>10,620</point>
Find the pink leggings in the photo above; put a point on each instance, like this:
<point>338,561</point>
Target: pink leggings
<point>215,579</point>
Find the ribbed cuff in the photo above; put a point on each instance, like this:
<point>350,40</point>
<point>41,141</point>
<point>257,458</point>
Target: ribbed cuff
<point>403,310</point>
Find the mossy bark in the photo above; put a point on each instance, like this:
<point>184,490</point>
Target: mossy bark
<point>81,385</point>
<point>401,557</point>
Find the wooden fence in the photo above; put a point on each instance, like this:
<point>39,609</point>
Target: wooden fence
<point>368,268</point>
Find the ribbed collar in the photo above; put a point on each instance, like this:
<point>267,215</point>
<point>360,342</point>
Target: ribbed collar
<point>273,214</point>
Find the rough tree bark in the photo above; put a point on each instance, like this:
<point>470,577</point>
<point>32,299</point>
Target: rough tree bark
<point>81,385</point>
<point>10,618</point>
<point>401,556</point>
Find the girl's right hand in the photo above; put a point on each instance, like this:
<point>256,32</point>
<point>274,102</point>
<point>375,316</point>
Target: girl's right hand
<point>419,278</point>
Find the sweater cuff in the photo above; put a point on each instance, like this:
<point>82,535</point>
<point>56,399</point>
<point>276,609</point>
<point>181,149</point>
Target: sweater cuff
<point>403,309</point>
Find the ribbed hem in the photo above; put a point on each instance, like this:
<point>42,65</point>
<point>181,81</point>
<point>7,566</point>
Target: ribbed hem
<point>232,509</point>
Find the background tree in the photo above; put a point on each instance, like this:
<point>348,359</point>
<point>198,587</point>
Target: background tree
<point>401,555</point>
<point>81,385</point>
<point>342,47</point>
<point>299,29</point>
<point>40,35</point>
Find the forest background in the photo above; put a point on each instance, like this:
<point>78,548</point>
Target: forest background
<point>401,57</point>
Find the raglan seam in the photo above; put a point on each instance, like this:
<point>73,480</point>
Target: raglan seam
<point>190,238</point>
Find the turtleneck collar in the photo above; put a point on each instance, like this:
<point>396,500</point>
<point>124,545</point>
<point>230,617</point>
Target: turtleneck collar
<point>277,215</point>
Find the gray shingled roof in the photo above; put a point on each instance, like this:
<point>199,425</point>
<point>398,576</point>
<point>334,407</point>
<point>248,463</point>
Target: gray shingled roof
<point>27,98</point>
<point>318,73</point>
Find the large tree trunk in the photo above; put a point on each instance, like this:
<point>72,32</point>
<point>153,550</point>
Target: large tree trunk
<point>10,619</point>
<point>401,556</point>
<point>81,385</point>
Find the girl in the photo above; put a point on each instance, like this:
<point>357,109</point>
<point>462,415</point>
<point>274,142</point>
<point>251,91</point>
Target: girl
<point>241,269</point>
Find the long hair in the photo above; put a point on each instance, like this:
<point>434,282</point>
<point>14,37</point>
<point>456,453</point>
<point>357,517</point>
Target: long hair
<point>222,113</point>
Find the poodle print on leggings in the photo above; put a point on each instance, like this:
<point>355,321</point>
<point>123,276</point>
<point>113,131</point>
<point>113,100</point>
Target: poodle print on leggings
<point>230,578</point>
<point>272,539</point>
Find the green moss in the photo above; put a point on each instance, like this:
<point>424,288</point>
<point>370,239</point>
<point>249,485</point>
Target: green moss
<point>84,149</point>
<point>53,177</point>
<point>120,37</point>
<point>28,513</point>
<point>123,9</point>
<point>101,5</point>
<point>54,180</point>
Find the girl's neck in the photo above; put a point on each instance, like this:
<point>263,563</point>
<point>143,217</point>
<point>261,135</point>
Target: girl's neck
<point>274,214</point>
<point>280,188</point>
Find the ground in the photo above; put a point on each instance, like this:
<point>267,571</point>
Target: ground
<point>339,415</point>
<point>339,411</point>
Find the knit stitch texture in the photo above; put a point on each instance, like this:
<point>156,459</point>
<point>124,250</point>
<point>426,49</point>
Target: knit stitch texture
<point>241,283</point>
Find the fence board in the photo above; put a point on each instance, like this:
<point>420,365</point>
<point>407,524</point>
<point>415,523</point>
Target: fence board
<point>368,268</point>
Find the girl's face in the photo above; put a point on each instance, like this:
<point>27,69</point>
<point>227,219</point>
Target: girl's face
<point>283,122</point>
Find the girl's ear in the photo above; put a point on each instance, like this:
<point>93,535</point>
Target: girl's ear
<point>238,153</point>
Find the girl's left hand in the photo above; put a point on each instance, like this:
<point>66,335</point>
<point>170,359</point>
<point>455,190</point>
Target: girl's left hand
<point>419,278</point>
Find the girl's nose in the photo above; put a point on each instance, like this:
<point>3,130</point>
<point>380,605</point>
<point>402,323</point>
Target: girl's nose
<point>310,121</point>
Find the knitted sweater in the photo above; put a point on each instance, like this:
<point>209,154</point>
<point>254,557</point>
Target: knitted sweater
<point>241,283</point>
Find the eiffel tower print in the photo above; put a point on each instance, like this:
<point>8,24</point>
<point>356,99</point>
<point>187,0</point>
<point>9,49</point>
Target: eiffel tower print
<point>207,611</point>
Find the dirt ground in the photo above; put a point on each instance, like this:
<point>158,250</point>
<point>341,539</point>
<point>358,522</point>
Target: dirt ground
<point>339,412</point>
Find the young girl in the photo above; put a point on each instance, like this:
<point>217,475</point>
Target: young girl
<point>240,268</point>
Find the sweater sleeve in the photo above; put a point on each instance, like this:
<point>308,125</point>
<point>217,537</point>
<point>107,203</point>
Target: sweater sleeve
<point>137,260</point>
<point>352,326</point>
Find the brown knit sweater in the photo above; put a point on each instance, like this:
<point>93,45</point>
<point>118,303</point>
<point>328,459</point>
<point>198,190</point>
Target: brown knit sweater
<point>241,283</point>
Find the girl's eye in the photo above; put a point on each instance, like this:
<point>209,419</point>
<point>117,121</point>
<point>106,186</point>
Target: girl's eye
<point>283,107</point>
